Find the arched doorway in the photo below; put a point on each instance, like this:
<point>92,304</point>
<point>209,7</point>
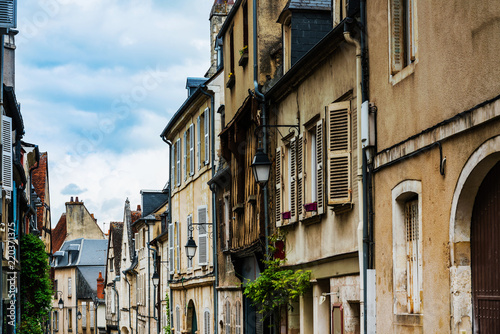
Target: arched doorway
<point>485,254</point>
<point>191,321</point>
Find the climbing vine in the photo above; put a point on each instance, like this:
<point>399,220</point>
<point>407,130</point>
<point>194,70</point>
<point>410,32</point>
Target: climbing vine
<point>167,307</point>
<point>276,286</point>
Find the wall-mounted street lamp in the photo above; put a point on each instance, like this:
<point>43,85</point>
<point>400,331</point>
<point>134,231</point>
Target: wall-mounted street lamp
<point>79,315</point>
<point>60,304</point>
<point>191,244</point>
<point>156,279</point>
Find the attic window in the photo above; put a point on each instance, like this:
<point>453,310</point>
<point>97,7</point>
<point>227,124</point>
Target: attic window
<point>287,43</point>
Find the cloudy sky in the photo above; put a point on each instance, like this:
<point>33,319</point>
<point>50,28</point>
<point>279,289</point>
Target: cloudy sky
<point>97,82</point>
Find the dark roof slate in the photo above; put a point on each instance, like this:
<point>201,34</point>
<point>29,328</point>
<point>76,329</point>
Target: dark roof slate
<point>309,4</point>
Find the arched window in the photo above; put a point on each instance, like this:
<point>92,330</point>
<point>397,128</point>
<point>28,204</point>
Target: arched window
<point>177,320</point>
<point>206,321</point>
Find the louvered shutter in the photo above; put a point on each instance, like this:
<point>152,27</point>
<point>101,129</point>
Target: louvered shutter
<point>178,320</point>
<point>293,180</point>
<point>397,36</point>
<point>7,155</point>
<point>320,200</point>
<point>84,314</point>
<point>8,14</point>
<point>412,30</point>
<point>203,236</point>
<point>178,165</point>
<point>412,240</point>
<point>191,150</point>
<point>178,246</point>
<point>300,177</point>
<point>207,141</point>
<point>339,153</point>
<point>278,187</point>
<point>171,258</point>
<point>206,323</point>
<point>198,141</point>
<point>172,166</point>
<point>184,162</point>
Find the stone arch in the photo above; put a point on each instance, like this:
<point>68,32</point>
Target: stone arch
<point>471,177</point>
<point>124,330</point>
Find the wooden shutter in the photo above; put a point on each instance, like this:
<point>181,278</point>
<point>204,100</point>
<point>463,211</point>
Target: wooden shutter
<point>293,180</point>
<point>198,141</point>
<point>184,161</point>
<point>339,153</point>
<point>7,155</point>
<point>300,177</point>
<point>278,187</point>
<point>319,166</point>
<point>397,36</point>
<point>178,165</point>
<point>191,149</point>
<point>412,31</point>
<point>202,236</point>
<point>206,130</point>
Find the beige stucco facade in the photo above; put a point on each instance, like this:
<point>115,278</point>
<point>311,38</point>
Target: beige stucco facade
<point>437,129</point>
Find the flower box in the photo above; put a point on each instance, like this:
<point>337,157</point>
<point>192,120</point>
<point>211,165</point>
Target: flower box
<point>230,82</point>
<point>286,215</point>
<point>243,59</point>
<point>311,207</point>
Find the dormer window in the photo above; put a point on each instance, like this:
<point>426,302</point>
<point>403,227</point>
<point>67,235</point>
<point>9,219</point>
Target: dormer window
<point>287,43</point>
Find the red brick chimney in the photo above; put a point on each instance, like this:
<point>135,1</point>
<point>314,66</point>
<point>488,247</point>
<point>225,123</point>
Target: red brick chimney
<point>100,287</point>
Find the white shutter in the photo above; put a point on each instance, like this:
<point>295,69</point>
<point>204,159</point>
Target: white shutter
<point>278,187</point>
<point>203,235</point>
<point>178,247</point>
<point>91,314</point>
<point>206,130</point>
<point>178,165</point>
<point>7,155</point>
<point>184,161</point>
<point>339,153</point>
<point>300,177</point>
<point>172,166</point>
<point>319,165</point>
<point>397,36</point>
<point>171,258</point>
<point>293,180</point>
<point>198,141</point>
<point>191,149</point>
<point>84,314</point>
<point>206,322</point>
<point>177,320</point>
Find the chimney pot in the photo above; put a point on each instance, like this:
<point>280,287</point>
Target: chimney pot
<point>138,207</point>
<point>76,199</point>
<point>100,286</point>
<point>71,199</point>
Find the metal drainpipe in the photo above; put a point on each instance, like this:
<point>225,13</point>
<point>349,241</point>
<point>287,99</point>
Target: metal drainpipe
<point>262,99</point>
<point>149,277</point>
<point>203,89</point>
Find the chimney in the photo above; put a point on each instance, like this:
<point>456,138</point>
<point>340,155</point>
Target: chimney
<point>138,207</point>
<point>71,199</point>
<point>100,287</point>
<point>76,199</point>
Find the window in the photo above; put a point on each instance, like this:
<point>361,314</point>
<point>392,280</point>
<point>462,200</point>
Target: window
<point>177,320</point>
<point>245,24</point>
<point>84,314</point>
<point>227,316</point>
<point>113,301</point>
<point>403,34</point>
<point>69,287</point>
<point>55,321</point>
<point>237,324</point>
<point>311,173</point>
<point>287,43</point>
<point>189,152</point>
<point>203,142</point>
<point>111,264</point>
<point>190,235</point>
<point>70,320</point>
<point>178,247</point>
<point>231,53</point>
<point>203,235</point>
<point>407,247</point>
<point>287,180</point>
<point>339,153</point>
<point>55,289</point>
<point>339,11</point>
<point>206,321</point>
<point>337,319</point>
<point>176,163</point>
<point>171,248</point>
<point>227,221</point>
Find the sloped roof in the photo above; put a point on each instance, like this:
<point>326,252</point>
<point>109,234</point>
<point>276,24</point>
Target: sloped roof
<point>93,252</point>
<point>116,236</point>
<point>90,274</point>
<point>59,233</point>
<point>152,200</point>
<point>39,180</point>
<point>309,4</point>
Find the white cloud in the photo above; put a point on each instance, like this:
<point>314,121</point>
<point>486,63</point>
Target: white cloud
<point>98,81</point>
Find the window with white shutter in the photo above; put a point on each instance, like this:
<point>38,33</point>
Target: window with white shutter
<point>178,247</point>
<point>339,153</point>
<point>177,320</point>
<point>189,226</point>
<point>84,314</point>
<point>91,315</point>
<point>206,132</point>
<point>185,163</point>
<point>206,321</point>
<point>198,141</point>
<point>178,161</point>
<point>173,179</point>
<point>203,235</point>
<point>7,155</point>
<point>402,34</point>
<point>191,150</point>
<point>319,166</point>
<point>70,290</point>
<point>292,188</point>
<point>300,178</point>
<point>171,248</point>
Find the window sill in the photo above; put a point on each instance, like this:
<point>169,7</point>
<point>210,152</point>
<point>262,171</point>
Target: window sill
<point>230,82</point>
<point>313,219</point>
<point>404,73</point>
<point>409,319</point>
<point>243,59</point>
<point>342,208</point>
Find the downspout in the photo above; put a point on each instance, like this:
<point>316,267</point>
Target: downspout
<point>362,249</point>
<point>169,221</point>
<point>149,278</point>
<point>262,100</point>
<point>203,89</point>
